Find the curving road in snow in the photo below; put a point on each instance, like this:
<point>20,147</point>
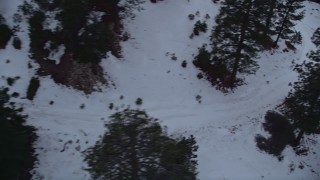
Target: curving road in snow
<point>224,125</point>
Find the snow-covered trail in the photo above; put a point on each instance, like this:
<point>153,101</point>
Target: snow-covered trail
<point>224,125</point>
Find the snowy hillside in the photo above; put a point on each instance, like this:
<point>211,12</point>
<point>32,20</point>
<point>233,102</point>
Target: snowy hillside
<point>225,125</point>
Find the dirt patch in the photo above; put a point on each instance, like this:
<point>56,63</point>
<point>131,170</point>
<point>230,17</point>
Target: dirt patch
<point>81,76</point>
<point>85,77</point>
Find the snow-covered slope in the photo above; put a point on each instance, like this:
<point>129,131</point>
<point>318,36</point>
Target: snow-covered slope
<point>224,125</point>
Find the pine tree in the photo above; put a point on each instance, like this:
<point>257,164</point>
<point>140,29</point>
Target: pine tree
<point>5,32</point>
<point>302,105</point>
<point>235,39</point>
<point>16,152</point>
<point>316,37</point>
<point>288,13</point>
<point>135,147</point>
<point>36,32</point>
<point>269,9</point>
<point>80,30</point>
<point>178,160</point>
<point>73,17</point>
<point>93,43</point>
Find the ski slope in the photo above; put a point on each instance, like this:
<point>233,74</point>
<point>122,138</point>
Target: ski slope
<point>224,125</point>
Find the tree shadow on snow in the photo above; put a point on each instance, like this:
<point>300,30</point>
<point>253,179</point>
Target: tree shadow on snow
<point>281,134</point>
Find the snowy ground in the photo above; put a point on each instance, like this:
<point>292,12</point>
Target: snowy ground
<point>224,125</point>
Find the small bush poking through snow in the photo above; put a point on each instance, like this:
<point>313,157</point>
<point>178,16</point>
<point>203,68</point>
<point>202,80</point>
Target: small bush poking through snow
<point>184,64</point>
<point>10,81</point>
<point>111,106</point>
<point>15,95</point>
<point>34,85</point>
<point>198,98</point>
<point>138,101</point>
<point>191,36</point>
<point>16,43</point>
<point>82,106</point>
<point>199,75</point>
<point>191,16</point>
<point>200,27</point>
<point>173,57</point>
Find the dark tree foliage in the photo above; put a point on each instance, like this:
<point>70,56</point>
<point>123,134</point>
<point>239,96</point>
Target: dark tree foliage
<point>199,27</point>
<point>281,132</point>
<point>178,159</point>
<point>16,152</point>
<point>86,39</point>
<point>269,10</point>
<point>203,58</point>
<point>236,38</point>
<point>5,33</point>
<point>316,37</point>
<point>245,27</point>
<point>214,72</point>
<point>72,18</point>
<point>302,105</point>
<point>33,87</point>
<point>288,13</point>
<point>26,8</point>
<point>36,32</point>
<point>296,38</point>
<point>93,44</point>
<point>87,42</point>
<point>16,43</point>
<point>136,147</point>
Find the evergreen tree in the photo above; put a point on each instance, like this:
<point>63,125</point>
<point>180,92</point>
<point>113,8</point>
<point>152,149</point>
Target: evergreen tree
<point>288,13</point>
<point>88,40</point>
<point>16,152</point>
<point>235,39</point>
<point>73,17</point>
<point>269,9</point>
<point>316,37</point>
<point>135,147</point>
<point>36,33</point>
<point>302,105</point>
<point>93,43</point>
<point>5,33</point>
<point>84,35</point>
<point>178,160</point>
